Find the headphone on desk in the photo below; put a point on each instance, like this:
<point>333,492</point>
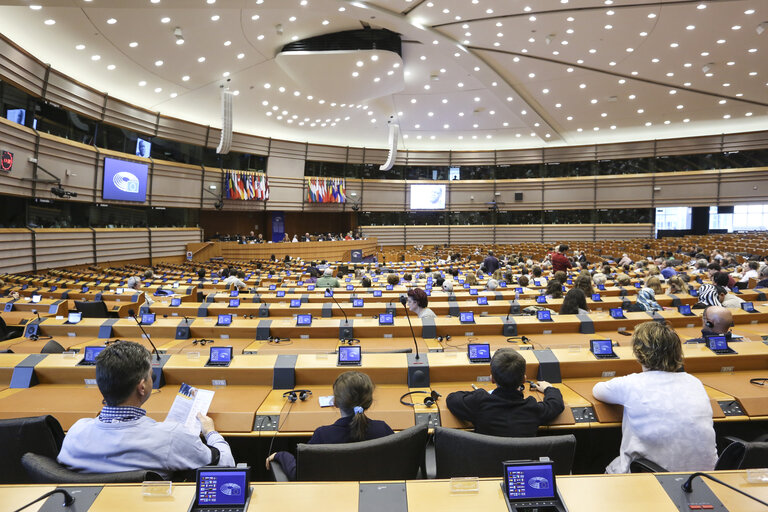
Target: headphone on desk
<point>349,341</point>
<point>760,381</point>
<point>521,339</point>
<point>277,340</point>
<point>429,400</point>
<point>447,337</point>
<point>297,394</point>
<point>202,341</point>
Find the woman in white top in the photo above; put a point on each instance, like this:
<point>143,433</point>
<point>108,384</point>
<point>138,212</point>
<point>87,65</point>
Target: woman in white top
<point>417,302</point>
<point>667,413</point>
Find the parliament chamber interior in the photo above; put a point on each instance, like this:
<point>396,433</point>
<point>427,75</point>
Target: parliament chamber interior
<point>384,255</point>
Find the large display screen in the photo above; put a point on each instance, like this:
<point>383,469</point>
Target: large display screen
<point>125,181</point>
<point>427,197</point>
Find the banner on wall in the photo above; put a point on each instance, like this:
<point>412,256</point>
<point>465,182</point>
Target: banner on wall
<point>278,226</point>
<point>326,190</point>
<point>246,186</point>
<point>6,164</point>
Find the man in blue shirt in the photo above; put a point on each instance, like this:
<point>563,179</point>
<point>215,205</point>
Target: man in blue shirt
<point>123,438</point>
<point>666,270</point>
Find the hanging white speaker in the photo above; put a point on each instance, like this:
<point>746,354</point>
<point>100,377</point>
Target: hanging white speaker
<point>394,133</point>
<point>226,122</point>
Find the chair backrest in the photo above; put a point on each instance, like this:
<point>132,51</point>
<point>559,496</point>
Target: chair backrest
<point>45,470</point>
<point>41,435</point>
<point>95,309</point>
<point>459,453</point>
<point>395,457</point>
<point>743,455</point>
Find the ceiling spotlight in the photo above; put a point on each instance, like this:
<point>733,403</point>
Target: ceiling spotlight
<point>179,36</point>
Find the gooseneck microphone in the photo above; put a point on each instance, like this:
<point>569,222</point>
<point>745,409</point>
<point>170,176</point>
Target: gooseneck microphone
<point>403,300</point>
<point>68,498</point>
<point>330,293</point>
<point>186,320</point>
<point>38,316</point>
<point>687,486</point>
<point>132,314</point>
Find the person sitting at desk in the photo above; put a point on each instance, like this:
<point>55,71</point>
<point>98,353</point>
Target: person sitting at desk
<point>236,280</point>
<point>504,411</point>
<point>667,413</point>
<point>646,301</point>
<point>123,438</point>
<point>393,279</point>
<point>352,395</point>
<point>201,275</point>
<point>554,289</point>
<point>134,283</point>
<point>574,303</point>
<point>328,281</point>
<point>417,302</point>
<point>715,321</point>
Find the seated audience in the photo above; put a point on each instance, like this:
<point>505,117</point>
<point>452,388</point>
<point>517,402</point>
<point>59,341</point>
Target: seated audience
<point>763,283</point>
<point>236,280</point>
<point>352,395</point>
<point>731,300</point>
<point>393,279</point>
<point>677,286</point>
<point>654,283</point>
<point>417,302</point>
<point>574,303</point>
<point>710,295</point>
<point>505,411</point>
<point>751,273</point>
<point>584,282</point>
<point>667,413</point>
<point>123,438</point>
<point>328,281</point>
<point>646,300</point>
<point>554,289</point>
<point>134,283</point>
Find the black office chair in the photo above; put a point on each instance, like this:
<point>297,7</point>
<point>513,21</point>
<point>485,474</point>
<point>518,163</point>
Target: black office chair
<point>45,470</point>
<point>95,309</point>
<point>7,333</point>
<point>399,456</point>
<point>41,435</point>
<point>739,454</point>
<point>459,453</point>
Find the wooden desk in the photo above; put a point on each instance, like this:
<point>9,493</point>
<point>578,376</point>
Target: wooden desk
<point>753,398</point>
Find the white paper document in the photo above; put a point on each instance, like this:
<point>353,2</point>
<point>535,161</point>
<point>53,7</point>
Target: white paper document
<point>188,402</point>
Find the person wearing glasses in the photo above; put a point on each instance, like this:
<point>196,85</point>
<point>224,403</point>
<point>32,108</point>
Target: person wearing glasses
<point>123,438</point>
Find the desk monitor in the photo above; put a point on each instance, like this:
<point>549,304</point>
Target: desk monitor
<point>224,320</point>
<point>694,293</point>
<point>536,282</point>
<point>617,313</point>
<point>299,283</point>
<point>541,299</point>
<point>74,318</point>
<point>328,293</point>
<point>310,287</point>
<point>530,485</point>
<point>119,291</point>
<point>390,287</point>
<point>84,289</point>
<point>295,303</point>
<point>234,303</point>
<point>638,285</point>
<point>175,285</point>
<point>719,345</point>
<point>175,302</point>
<point>215,281</point>
<point>347,279</point>
<point>479,352</point>
<point>685,309</point>
<point>518,290</point>
<point>54,288</point>
<point>350,356</point>
<point>600,287</point>
<point>273,287</point>
<point>220,356</point>
<point>482,301</point>
<point>502,284</point>
<point>602,349</point>
<point>147,318</point>
<point>544,315</point>
<point>357,303</point>
<point>746,306</point>
<point>377,293</point>
<point>234,293</point>
<point>386,319</point>
<point>350,287</point>
<point>375,280</point>
<point>473,291</point>
<point>304,320</point>
<point>596,297</point>
<point>89,359</point>
<point>467,317</point>
<point>220,488</point>
<point>36,298</point>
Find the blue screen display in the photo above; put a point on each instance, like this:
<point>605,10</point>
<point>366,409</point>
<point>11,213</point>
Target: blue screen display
<point>222,488</point>
<point>390,287</point>
<point>518,290</point>
<point>281,293</point>
<point>125,181</point>
<point>17,115</point>
<point>601,346</point>
<point>91,353</point>
<point>328,293</point>
<point>234,303</point>
<point>467,317</point>
<point>482,301</point>
<point>148,318</point>
<point>747,306</point>
<point>617,313</point>
<point>386,319</point>
<point>377,293</point>
<point>73,318</point>
<point>221,354</point>
<point>295,303</point>
<point>175,302</point>
<point>529,482</point>
<point>502,284</point>
<point>684,310</point>
<point>273,287</point>
<point>303,319</point>
<point>472,291</point>
<point>143,147</point>
<point>596,297</point>
<point>349,354</point>
<point>310,287</point>
<point>541,299</point>
<point>638,285</point>
<point>694,293</point>
<point>357,303</point>
<point>717,342</point>
<point>478,351</point>
<point>350,287</point>
<point>544,315</point>
<point>224,320</point>
<point>234,293</point>
<point>599,287</point>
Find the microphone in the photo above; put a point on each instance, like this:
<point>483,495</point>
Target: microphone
<point>38,316</point>
<point>68,498</point>
<point>346,321</point>
<point>687,486</point>
<point>403,300</point>
<point>132,314</point>
<point>186,320</point>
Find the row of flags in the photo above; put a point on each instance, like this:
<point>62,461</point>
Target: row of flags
<point>247,186</point>
<point>326,190</point>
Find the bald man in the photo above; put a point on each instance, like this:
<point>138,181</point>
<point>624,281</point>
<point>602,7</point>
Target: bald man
<point>715,321</point>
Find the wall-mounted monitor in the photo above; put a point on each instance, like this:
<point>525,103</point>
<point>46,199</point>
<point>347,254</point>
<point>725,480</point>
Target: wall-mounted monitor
<point>125,181</point>
<point>427,197</point>
<point>17,115</point>
<point>143,147</point>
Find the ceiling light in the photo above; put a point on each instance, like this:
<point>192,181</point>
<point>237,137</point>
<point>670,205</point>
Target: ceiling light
<point>215,17</point>
<point>227,43</point>
<point>674,45</point>
<point>142,83</point>
<point>690,27</point>
<point>111,21</point>
<point>652,15</point>
<point>158,89</point>
<point>165,20</point>
<point>736,27</point>
<point>267,85</point>
<point>133,44</point>
<point>35,7</point>
<point>185,78</point>
<point>173,94</point>
<point>95,57</point>
<point>50,22</point>
<point>80,47</point>
<point>111,67</point>
<point>255,17</point>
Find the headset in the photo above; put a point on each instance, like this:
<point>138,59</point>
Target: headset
<point>277,340</point>
<point>349,341</point>
<point>202,341</point>
<point>521,339</point>
<point>297,394</point>
<point>447,337</point>
<point>707,321</point>
<point>760,381</point>
<point>429,400</point>
<point>35,337</point>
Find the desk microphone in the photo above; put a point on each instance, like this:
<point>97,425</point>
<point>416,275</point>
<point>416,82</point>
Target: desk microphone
<point>186,320</point>
<point>132,314</point>
<point>403,300</point>
<point>687,486</point>
<point>68,498</point>
<point>330,292</point>
<point>38,316</point>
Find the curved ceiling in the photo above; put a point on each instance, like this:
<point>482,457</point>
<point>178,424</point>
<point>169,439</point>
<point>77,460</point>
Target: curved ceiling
<point>478,74</point>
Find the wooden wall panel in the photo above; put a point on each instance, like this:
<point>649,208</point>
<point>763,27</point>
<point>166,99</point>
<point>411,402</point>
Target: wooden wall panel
<point>58,156</point>
<point>623,231</point>
<point>20,141</point>
<point>74,96</point>
<point>244,143</point>
<point>62,247</point>
<point>684,189</point>
<point>175,185</point>
<point>211,177</point>
<point>21,68</point>
<point>744,186</point>
<point>121,244</point>
<point>17,250</point>
<point>472,158</point>
<point>570,154</point>
<point>122,114</point>
<point>321,153</point>
<point>519,156</point>
<point>533,197</point>
<point>172,128</point>
<point>689,145</point>
<point>170,242</point>
<point>560,232</point>
<point>470,195</point>
<point>569,193</point>
<point>386,235</point>
<point>384,195</point>
<point>426,235</point>
<point>288,149</point>
<point>513,234</point>
<point>625,191</point>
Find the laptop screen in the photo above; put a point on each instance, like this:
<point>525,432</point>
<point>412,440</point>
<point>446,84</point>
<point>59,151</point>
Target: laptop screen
<point>357,303</point>
<point>746,306</point>
<point>147,318</point>
<point>599,347</point>
<point>467,317</point>
<point>91,353</point>
<point>234,293</point>
<point>685,309</point>
<point>175,302</point>
<point>224,320</point>
<point>482,301</point>
<point>717,342</point>
<point>295,303</point>
<point>541,299</point>
<point>36,299</point>
<point>221,354</point>
<point>386,319</point>
<point>596,297</point>
<point>617,313</point>
<point>221,487</point>
<point>73,318</point>
<point>544,315</point>
<point>304,320</point>
<point>478,352</point>
<point>525,481</point>
<point>281,293</point>
<point>349,355</point>
<point>234,303</point>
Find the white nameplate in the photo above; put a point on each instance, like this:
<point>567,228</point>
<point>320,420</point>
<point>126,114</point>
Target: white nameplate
<point>218,382</point>
<point>609,374</point>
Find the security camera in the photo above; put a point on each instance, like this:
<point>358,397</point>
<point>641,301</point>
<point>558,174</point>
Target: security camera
<point>60,192</point>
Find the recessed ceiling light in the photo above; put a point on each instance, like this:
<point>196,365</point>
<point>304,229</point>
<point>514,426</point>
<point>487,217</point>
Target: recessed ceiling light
<point>225,74</point>
<point>722,102</point>
<point>752,73</point>
<point>142,83</point>
<point>752,50</point>
<point>35,7</point>
<point>652,15</point>
<point>582,86</point>
<point>209,2</point>
<point>240,55</point>
<point>643,34</point>
<point>111,21</point>
<point>158,89</point>
<point>569,118</point>
<point>165,20</point>
<point>608,27</point>
<point>133,44</point>
<point>531,75</point>
<point>292,18</point>
<point>173,94</point>
<point>701,6</point>
<point>632,96</point>
<point>185,78</point>
<point>640,111</point>
<point>413,100</point>
<point>95,57</point>
<point>690,27</point>
<point>622,81</point>
<point>674,45</point>
<point>215,17</point>
<point>111,67</point>
<point>593,101</point>
<point>721,41</point>
<point>255,17</point>
<point>736,27</point>
<point>342,9</point>
<point>460,84</point>
<point>748,114</point>
<point>80,47</point>
<point>267,85</point>
<point>227,43</point>
<point>50,22</point>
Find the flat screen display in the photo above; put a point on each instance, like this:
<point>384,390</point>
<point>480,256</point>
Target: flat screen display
<point>281,293</point>
<point>357,303</point>
<point>224,320</point>
<point>601,347</point>
<point>717,343</point>
<point>685,309</point>
<point>482,301</point>
<point>295,303</point>
<point>544,315</point>
<point>38,298</point>
<point>221,354</point>
<point>234,303</point>
<point>479,352</point>
<point>748,307</point>
<point>175,302</point>
<point>125,181</point>
<point>91,353</point>
<point>617,313</point>
<point>524,482</point>
<point>467,317</point>
<point>596,297</point>
<point>386,319</point>
<point>217,488</point>
<point>74,318</point>
<point>17,115</point>
<point>541,299</point>
<point>143,147</point>
<point>377,293</point>
<point>350,355</point>
<point>234,293</point>
<point>147,318</point>
<point>427,197</point>
<point>303,319</point>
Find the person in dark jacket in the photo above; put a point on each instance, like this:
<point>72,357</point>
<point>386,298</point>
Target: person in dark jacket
<point>352,395</point>
<point>504,411</point>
